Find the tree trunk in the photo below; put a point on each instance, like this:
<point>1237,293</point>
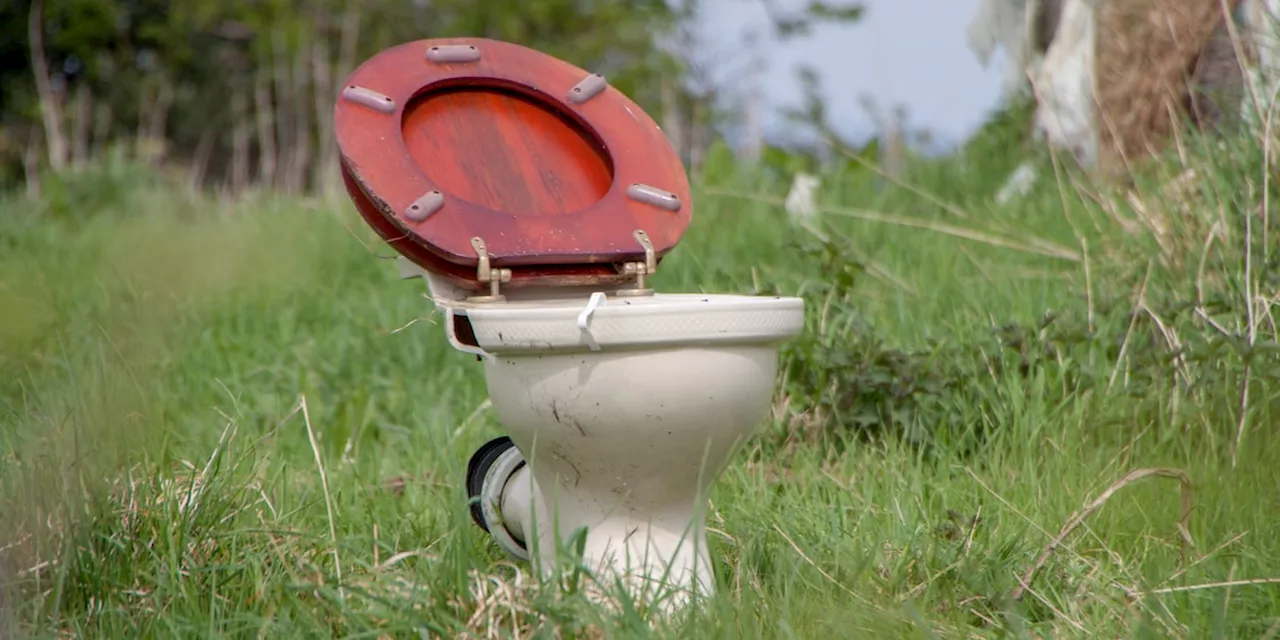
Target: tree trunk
<point>240,137</point>
<point>283,109</point>
<point>50,107</point>
<point>204,149</point>
<point>266,132</point>
<point>322,88</point>
<point>82,125</point>
<point>158,122</point>
<point>348,41</point>
<point>301,108</point>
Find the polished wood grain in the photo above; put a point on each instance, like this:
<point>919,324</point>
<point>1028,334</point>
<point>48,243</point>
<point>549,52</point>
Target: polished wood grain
<point>505,152</point>
<point>542,180</point>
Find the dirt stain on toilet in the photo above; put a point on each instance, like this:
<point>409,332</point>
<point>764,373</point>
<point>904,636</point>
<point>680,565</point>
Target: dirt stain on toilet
<point>559,455</point>
<point>555,413</point>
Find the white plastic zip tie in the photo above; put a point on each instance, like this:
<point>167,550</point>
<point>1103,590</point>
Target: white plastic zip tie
<point>584,319</point>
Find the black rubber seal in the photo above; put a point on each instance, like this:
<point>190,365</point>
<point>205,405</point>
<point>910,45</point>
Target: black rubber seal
<point>477,468</point>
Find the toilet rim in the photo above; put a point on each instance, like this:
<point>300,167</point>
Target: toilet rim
<point>425,222</point>
<point>601,322</point>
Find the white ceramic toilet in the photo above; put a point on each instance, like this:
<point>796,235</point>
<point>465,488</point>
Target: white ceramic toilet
<point>535,200</point>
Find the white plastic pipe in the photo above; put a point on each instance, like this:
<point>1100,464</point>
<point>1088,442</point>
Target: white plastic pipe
<point>517,504</point>
<point>506,503</point>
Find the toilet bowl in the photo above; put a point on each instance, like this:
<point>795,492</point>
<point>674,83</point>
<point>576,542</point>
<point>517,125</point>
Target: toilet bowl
<point>536,201</point>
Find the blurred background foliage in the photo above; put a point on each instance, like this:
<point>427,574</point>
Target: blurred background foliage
<point>233,94</point>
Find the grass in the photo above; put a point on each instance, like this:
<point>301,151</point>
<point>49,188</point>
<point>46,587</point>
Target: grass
<point>230,419</point>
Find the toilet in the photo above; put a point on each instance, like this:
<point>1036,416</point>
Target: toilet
<point>536,201</point>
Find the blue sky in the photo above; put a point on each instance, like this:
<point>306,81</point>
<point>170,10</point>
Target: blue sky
<point>909,52</point>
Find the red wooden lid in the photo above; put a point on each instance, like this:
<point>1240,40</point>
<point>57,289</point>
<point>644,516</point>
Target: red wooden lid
<point>446,140</point>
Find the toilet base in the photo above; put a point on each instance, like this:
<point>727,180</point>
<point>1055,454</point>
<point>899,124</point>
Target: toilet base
<point>660,559</point>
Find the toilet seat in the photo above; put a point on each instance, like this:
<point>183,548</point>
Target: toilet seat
<point>449,140</point>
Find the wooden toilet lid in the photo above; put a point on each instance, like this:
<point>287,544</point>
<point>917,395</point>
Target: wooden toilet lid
<point>443,141</point>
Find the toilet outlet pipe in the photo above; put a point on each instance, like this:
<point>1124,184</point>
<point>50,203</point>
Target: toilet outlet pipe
<point>500,487</point>
<point>659,553</point>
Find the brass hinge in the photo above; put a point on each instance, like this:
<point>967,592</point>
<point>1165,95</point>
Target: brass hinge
<point>486,273</point>
<point>641,270</point>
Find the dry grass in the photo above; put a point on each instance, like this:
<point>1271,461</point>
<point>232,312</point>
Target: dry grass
<point>1146,54</point>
